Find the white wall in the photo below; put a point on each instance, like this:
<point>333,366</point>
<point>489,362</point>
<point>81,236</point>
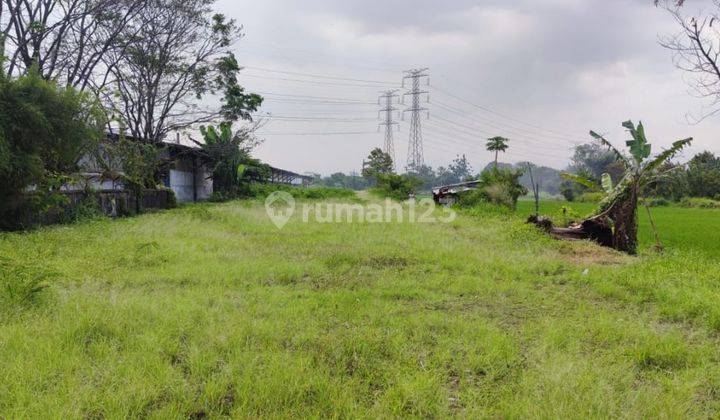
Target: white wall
<point>181,182</point>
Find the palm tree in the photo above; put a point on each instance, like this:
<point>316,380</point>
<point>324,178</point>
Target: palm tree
<point>497,144</point>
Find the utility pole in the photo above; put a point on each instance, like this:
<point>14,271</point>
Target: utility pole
<point>388,111</point>
<point>415,159</point>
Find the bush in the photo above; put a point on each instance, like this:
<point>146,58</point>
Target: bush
<point>565,215</point>
<point>567,191</point>
<point>44,129</point>
<point>398,187</point>
<point>496,186</point>
<point>591,197</point>
<point>85,209</point>
<point>657,202</point>
<point>701,203</point>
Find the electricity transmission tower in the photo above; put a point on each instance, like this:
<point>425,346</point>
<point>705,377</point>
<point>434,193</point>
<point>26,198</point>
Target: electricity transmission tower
<point>388,111</point>
<point>415,159</point>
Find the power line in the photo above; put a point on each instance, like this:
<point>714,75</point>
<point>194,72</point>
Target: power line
<point>299,118</point>
<point>312,82</point>
<point>328,98</point>
<point>497,113</point>
<point>469,139</point>
<point>472,142</point>
<point>362,63</point>
<point>491,123</point>
<point>295,73</point>
<point>317,102</point>
<point>322,133</point>
<point>474,131</point>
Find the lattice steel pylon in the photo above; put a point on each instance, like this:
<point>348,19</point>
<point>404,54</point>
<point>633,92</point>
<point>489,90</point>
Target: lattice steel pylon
<point>386,100</point>
<point>416,159</point>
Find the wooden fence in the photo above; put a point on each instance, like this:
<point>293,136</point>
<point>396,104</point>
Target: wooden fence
<point>115,203</point>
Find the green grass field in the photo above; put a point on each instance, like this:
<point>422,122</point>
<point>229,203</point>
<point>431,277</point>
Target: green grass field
<point>210,311</point>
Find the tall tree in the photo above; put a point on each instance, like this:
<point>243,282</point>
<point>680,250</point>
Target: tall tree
<point>593,160</point>
<point>703,176</point>
<point>460,168</point>
<point>497,144</point>
<point>378,163</point>
<point>178,54</point>
<point>64,40</point>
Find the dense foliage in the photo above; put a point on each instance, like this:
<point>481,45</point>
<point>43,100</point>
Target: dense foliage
<point>378,163</point>
<point>497,144</point>
<point>497,186</point>
<point>44,131</point>
<point>399,187</point>
<point>228,156</point>
<point>352,181</point>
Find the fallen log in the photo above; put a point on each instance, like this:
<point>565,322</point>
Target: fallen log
<point>597,230</point>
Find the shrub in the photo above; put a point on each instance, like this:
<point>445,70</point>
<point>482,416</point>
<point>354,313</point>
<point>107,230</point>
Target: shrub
<point>473,198</point>
<point>87,208</point>
<point>44,129</point>
<point>565,216</point>
<point>657,202</point>
<point>701,203</point>
<point>496,186</point>
<point>591,197</point>
<point>398,187</point>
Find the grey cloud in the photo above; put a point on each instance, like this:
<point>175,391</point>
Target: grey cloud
<point>570,65</point>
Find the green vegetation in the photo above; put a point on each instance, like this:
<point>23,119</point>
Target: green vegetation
<point>496,186</point>
<point>228,156</point>
<point>44,129</point>
<point>399,187</point>
<point>210,310</point>
<point>497,144</point>
<point>378,163</point>
<point>703,203</point>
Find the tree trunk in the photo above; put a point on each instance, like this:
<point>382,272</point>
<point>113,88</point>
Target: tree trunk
<point>624,216</point>
<point>496,156</point>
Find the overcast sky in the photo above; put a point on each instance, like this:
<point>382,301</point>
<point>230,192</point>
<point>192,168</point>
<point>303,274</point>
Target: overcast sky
<point>540,72</point>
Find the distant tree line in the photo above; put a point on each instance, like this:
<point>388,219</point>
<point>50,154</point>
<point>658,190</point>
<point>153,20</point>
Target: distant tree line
<point>699,177</point>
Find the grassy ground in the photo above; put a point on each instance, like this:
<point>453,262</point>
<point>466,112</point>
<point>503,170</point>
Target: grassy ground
<point>212,311</point>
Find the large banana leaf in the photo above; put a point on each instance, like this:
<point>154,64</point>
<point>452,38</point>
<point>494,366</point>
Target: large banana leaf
<point>667,154</point>
<point>607,183</point>
<point>640,149</point>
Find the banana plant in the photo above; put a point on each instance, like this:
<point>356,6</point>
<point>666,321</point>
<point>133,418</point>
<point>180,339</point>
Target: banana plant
<point>228,154</point>
<point>618,209</point>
